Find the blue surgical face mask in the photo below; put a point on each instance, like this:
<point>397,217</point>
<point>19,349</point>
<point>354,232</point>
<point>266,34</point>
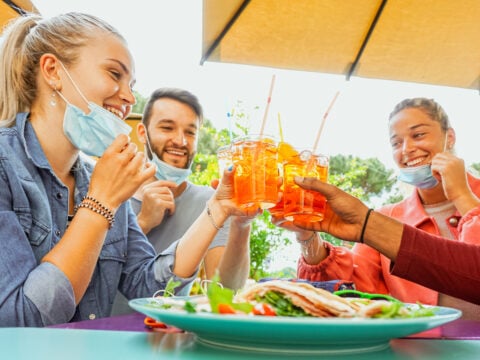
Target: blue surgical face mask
<point>91,133</point>
<point>419,176</point>
<point>166,171</point>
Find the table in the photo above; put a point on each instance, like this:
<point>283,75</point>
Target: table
<point>125,337</point>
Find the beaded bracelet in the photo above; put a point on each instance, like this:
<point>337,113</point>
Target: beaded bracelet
<point>209,213</point>
<point>96,206</point>
<point>97,203</point>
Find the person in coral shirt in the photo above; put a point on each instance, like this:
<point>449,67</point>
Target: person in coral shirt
<point>422,142</point>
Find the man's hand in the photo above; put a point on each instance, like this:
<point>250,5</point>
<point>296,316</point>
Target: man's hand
<point>157,201</point>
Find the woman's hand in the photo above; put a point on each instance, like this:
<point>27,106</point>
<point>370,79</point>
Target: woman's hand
<point>119,173</point>
<point>224,195</point>
<point>450,170</point>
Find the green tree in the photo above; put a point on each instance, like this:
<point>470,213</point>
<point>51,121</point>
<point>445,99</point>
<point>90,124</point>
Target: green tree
<point>140,104</point>
<point>364,178</point>
<point>265,238</point>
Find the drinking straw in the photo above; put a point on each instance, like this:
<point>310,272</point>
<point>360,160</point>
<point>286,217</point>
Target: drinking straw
<point>230,116</point>
<point>315,144</point>
<point>280,127</point>
<point>269,99</point>
<point>311,161</point>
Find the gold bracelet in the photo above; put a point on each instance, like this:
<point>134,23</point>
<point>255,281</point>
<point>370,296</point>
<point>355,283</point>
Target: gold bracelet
<point>96,206</point>
<point>307,242</point>
<point>209,213</point>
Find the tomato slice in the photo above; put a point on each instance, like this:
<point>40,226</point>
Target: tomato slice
<point>264,309</point>
<point>154,324</point>
<point>226,309</point>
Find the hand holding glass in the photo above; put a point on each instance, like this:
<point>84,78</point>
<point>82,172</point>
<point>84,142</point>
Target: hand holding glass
<point>299,204</point>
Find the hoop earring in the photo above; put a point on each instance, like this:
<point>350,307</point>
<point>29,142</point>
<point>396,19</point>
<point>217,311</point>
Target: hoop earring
<point>53,99</point>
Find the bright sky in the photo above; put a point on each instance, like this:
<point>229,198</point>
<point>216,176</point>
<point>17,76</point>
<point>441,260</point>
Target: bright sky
<point>165,38</point>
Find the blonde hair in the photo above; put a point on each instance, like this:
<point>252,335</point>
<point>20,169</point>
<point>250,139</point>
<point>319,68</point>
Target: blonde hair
<point>25,40</point>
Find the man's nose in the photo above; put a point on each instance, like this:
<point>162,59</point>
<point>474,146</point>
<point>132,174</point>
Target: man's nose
<point>180,139</point>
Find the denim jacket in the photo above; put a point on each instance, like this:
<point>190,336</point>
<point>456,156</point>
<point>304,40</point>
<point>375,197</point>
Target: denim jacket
<point>33,218</point>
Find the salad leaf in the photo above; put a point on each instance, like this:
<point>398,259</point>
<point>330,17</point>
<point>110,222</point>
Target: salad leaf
<point>170,287</point>
<point>396,310</point>
<point>219,295</point>
<point>190,307</point>
<point>282,305</point>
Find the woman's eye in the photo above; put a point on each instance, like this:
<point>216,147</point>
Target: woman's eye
<point>418,135</point>
<point>116,74</point>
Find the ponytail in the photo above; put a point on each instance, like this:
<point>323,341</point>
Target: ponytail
<point>25,40</point>
<point>18,80</point>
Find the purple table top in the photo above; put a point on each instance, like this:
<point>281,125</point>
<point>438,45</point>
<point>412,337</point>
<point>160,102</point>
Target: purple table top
<point>131,322</point>
<point>458,329</point>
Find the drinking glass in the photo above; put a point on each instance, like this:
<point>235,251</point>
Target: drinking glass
<point>299,204</point>
<point>256,172</point>
<point>224,158</point>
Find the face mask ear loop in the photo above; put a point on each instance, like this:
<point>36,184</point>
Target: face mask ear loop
<point>63,97</point>
<point>445,148</point>
<point>74,85</point>
<point>149,147</point>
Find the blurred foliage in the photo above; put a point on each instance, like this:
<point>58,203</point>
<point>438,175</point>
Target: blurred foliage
<point>265,238</point>
<point>140,104</point>
<point>363,178</point>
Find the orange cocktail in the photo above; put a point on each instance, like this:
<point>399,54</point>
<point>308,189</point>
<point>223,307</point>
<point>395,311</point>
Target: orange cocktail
<point>285,152</point>
<point>256,173</point>
<point>299,204</point>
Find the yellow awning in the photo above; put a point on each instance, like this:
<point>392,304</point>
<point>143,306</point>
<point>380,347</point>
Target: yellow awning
<point>10,9</point>
<point>423,41</point>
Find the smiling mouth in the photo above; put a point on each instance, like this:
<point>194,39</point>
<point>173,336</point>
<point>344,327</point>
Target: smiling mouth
<point>176,152</point>
<point>414,162</point>
<point>114,111</point>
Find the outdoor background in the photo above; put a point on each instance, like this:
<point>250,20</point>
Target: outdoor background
<point>165,39</point>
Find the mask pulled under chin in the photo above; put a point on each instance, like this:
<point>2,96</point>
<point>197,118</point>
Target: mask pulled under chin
<point>169,172</point>
<point>92,133</point>
<point>419,176</point>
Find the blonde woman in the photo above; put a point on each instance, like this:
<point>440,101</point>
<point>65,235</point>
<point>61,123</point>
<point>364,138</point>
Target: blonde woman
<point>69,239</point>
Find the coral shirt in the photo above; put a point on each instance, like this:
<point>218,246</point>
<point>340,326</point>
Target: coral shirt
<point>370,271</point>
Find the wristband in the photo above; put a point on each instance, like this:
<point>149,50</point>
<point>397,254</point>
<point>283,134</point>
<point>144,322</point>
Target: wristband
<point>365,224</point>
